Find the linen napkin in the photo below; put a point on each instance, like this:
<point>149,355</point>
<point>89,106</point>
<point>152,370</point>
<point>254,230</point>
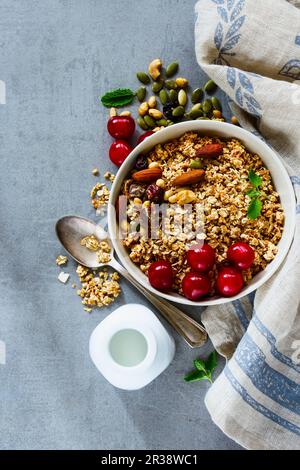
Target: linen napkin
<point>251,49</point>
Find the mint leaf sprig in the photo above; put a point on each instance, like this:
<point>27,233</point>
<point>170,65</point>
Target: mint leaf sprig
<point>255,205</point>
<point>203,369</point>
<point>117,98</point>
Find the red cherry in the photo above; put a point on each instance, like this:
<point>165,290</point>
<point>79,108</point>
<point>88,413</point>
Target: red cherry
<point>119,151</point>
<point>160,275</point>
<point>195,285</point>
<point>201,257</point>
<point>144,136</point>
<point>121,127</point>
<point>229,281</point>
<point>241,254</point>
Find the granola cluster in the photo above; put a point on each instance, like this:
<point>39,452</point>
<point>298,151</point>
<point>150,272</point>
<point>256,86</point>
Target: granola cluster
<point>99,195</point>
<point>223,207</point>
<point>97,289</point>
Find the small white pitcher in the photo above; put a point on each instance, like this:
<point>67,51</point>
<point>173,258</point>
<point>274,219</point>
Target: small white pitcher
<point>131,347</point>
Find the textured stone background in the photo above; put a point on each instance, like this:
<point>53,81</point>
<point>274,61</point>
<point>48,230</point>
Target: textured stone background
<point>56,58</point>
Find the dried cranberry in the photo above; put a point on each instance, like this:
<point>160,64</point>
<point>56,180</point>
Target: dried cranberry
<point>155,194</point>
<point>167,110</point>
<point>136,190</point>
<point>141,162</point>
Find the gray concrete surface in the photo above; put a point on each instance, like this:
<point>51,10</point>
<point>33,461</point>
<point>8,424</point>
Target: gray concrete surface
<point>56,58</point>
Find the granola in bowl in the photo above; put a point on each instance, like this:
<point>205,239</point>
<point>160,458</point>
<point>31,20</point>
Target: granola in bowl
<point>203,185</point>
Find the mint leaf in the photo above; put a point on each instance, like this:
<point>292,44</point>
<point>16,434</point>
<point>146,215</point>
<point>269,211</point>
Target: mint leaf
<point>254,208</point>
<point>254,179</point>
<point>195,376</point>
<point>203,369</point>
<point>117,98</point>
<point>199,365</point>
<point>211,362</point>
<point>253,193</point>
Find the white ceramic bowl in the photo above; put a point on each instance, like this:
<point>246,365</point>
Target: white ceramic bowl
<point>272,161</point>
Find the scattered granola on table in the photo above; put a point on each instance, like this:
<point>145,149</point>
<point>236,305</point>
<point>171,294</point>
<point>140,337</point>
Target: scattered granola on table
<point>99,195</point>
<point>95,172</point>
<point>220,183</point>
<point>109,176</point>
<point>61,260</point>
<point>97,289</point>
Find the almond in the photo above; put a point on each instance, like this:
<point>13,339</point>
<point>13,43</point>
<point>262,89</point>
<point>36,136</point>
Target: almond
<point>210,151</point>
<point>191,177</point>
<point>148,175</point>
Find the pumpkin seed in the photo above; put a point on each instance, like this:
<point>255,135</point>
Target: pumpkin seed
<point>178,112</point>
<point>150,122</point>
<point>152,102</point>
<point>141,122</point>
<point>216,103</point>
<point>196,164</point>
<point>196,107</point>
<point>195,111</point>
<point>157,86</point>
<point>210,86</point>
<point>207,106</point>
<point>171,84</point>
<point>197,95</point>
<point>195,114</point>
<point>172,69</point>
<point>173,96</point>
<point>162,122</point>
<point>164,97</point>
<point>203,118</point>
<point>182,98</point>
<point>170,123</point>
<point>143,78</point>
<point>141,93</point>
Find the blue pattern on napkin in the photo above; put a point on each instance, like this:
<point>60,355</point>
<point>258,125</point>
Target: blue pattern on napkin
<point>257,406</point>
<point>272,383</point>
<point>225,42</point>
<point>272,341</point>
<point>241,313</point>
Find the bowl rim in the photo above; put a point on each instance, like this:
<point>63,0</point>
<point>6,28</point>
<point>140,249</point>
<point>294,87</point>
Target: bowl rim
<point>210,127</point>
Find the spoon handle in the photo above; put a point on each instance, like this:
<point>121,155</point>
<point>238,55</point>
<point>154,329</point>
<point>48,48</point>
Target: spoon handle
<point>191,331</point>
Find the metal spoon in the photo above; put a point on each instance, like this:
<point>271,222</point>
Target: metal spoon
<point>71,229</point>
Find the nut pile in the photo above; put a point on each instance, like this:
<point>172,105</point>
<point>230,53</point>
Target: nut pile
<point>173,96</point>
<point>220,184</point>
